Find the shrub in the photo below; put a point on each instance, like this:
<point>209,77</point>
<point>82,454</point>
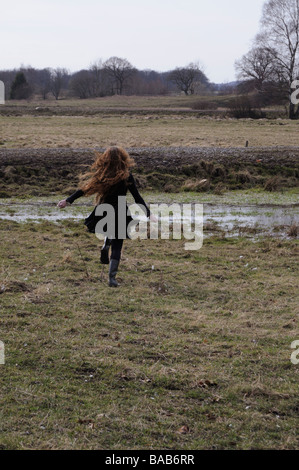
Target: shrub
<point>219,189</point>
<point>243,177</point>
<point>171,188</point>
<point>207,166</point>
<point>241,107</point>
<point>192,170</point>
<point>219,172</point>
<point>204,105</point>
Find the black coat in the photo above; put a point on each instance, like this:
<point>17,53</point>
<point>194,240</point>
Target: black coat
<point>119,189</point>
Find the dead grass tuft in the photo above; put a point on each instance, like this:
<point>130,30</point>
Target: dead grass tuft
<point>196,185</point>
<point>13,286</point>
<point>273,184</point>
<point>293,230</point>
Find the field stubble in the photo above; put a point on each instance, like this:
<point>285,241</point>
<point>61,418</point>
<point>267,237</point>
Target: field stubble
<point>143,131</point>
<point>191,352</point>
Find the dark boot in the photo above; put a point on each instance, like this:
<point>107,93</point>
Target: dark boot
<point>113,267</point>
<point>105,251</point>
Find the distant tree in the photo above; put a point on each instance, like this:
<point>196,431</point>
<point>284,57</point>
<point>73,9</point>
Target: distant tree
<point>186,78</point>
<point>20,89</point>
<point>148,82</point>
<point>120,71</point>
<point>44,82</point>
<point>58,81</point>
<point>81,84</point>
<point>100,79</point>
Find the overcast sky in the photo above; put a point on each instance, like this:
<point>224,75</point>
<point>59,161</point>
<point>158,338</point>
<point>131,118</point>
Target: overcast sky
<point>151,34</point>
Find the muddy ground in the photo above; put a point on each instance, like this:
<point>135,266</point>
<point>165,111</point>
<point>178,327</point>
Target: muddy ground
<point>35,171</point>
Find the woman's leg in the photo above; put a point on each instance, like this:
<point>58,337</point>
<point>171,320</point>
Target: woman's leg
<point>105,251</point>
<point>116,247</point>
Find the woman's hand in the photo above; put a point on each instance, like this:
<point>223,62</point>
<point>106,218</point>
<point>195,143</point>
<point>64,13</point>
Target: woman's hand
<point>62,204</point>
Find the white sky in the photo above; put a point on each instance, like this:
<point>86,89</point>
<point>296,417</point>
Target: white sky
<point>151,34</point>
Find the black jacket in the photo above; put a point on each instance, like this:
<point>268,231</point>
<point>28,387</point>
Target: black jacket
<point>119,189</point>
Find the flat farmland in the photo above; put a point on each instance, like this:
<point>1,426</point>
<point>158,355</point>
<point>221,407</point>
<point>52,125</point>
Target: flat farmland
<point>129,130</point>
<point>139,122</point>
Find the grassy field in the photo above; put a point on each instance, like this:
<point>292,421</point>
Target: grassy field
<point>143,131</point>
<point>128,102</point>
<point>158,121</point>
<point>192,352</point>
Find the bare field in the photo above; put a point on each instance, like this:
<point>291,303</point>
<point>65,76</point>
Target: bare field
<point>143,131</point>
<point>133,121</point>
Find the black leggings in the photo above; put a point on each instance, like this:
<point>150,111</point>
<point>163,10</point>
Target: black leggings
<point>116,247</point>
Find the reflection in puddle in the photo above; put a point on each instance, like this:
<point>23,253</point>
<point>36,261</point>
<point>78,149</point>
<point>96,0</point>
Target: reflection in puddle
<point>232,220</point>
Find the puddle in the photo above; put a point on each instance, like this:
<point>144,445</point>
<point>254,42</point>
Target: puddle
<point>251,220</point>
<point>232,220</point>
<point>28,212</point>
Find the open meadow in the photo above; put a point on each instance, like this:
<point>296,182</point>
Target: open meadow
<point>137,122</point>
<point>193,350</point>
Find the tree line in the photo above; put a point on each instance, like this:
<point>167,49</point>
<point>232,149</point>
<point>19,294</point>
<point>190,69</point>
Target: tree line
<point>267,74</point>
<point>115,76</point>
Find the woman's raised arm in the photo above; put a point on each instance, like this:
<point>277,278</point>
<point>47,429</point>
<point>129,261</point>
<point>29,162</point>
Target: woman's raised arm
<point>70,199</point>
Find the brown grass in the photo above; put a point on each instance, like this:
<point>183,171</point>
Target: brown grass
<point>293,230</point>
<point>191,352</point>
<point>138,131</point>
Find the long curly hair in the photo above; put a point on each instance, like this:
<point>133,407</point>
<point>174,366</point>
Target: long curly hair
<point>109,168</point>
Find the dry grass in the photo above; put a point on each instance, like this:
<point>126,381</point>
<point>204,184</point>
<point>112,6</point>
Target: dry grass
<point>123,102</point>
<point>293,230</point>
<point>142,131</point>
<point>198,341</point>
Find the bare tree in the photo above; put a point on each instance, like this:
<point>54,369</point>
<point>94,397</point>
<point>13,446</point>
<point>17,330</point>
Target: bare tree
<point>44,82</point>
<point>257,65</point>
<point>186,78</point>
<point>58,81</point>
<point>279,37</point>
<point>81,84</point>
<point>148,82</point>
<point>97,74</point>
<point>120,71</point>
